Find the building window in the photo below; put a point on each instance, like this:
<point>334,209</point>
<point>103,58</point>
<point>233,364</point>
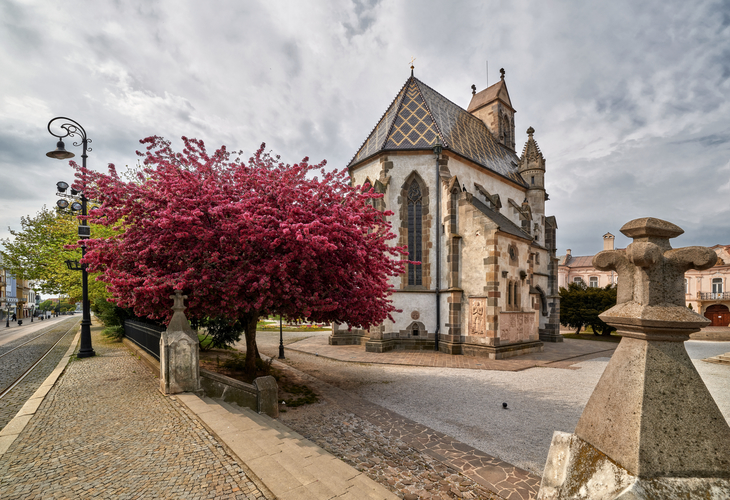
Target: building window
<point>509,294</point>
<point>577,280</point>
<point>532,180</point>
<point>415,233</point>
<point>593,282</point>
<point>686,285</point>
<point>716,288</point>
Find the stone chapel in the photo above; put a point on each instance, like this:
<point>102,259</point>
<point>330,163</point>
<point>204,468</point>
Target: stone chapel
<point>472,212</point>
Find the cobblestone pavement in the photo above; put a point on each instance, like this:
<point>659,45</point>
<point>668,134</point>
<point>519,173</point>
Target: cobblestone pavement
<point>412,460</point>
<point>105,431</point>
<point>388,460</point>
<point>15,363</point>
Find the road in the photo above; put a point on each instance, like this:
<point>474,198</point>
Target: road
<point>20,348</point>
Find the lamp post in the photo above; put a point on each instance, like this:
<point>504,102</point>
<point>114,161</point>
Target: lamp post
<point>72,128</point>
<point>281,340</point>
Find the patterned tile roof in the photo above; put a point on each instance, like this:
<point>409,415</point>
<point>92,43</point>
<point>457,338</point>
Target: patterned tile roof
<point>419,114</point>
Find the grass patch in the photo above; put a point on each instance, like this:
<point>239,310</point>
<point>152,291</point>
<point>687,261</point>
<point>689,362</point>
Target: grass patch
<point>113,332</point>
<point>206,340</point>
<point>292,391</point>
<point>601,338</point>
<point>270,327</point>
<point>298,394</point>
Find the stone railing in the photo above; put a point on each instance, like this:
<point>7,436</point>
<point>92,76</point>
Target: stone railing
<point>713,295</point>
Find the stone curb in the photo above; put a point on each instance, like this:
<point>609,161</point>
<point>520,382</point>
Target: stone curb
<point>292,467</point>
<point>11,431</point>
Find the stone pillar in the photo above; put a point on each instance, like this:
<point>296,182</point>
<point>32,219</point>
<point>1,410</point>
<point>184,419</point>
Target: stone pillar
<point>179,356</point>
<point>651,428</point>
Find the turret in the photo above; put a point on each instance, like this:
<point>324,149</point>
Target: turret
<point>493,106</point>
<point>532,170</point>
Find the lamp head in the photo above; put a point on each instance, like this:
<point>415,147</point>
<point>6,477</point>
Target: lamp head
<point>62,186</point>
<point>437,148</point>
<point>62,204</point>
<point>60,152</point>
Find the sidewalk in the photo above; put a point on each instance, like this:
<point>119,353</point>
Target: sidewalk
<point>103,430</point>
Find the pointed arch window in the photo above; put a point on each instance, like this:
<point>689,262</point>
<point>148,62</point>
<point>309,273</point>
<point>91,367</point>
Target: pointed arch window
<point>415,233</point>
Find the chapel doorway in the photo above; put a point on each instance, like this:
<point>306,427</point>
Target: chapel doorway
<point>718,314</point>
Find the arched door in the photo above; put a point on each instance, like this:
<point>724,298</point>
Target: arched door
<point>718,314</point>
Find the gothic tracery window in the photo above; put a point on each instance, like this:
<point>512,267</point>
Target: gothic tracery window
<point>415,233</point>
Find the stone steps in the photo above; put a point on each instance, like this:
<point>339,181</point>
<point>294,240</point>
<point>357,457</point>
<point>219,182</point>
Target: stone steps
<point>289,465</point>
<point>721,359</point>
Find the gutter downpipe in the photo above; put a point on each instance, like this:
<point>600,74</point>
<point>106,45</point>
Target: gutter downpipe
<point>437,148</point>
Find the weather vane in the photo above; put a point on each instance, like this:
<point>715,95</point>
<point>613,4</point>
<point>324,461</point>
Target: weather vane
<point>412,59</point>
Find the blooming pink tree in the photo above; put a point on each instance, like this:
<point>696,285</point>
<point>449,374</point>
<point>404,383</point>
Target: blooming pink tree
<point>242,239</point>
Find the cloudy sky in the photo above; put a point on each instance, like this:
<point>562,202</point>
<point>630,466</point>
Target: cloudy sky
<point>630,100</point>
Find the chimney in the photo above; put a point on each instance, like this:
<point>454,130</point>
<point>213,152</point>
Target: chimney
<point>608,240</point>
<point>567,252</point>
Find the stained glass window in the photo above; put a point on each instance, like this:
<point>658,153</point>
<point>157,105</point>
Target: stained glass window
<point>415,233</point>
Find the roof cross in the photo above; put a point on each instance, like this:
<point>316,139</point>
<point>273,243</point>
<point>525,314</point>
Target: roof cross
<point>412,59</point>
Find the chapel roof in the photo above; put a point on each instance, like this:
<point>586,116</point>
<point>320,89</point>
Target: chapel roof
<point>491,93</point>
<point>531,153</point>
<point>502,222</point>
<point>419,114</point>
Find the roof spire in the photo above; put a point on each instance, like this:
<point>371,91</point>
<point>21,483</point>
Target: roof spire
<point>473,89</point>
<point>412,59</point>
<point>501,70</point>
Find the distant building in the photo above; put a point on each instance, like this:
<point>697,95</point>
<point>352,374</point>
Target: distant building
<point>486,281</point>
<point>706,292</point>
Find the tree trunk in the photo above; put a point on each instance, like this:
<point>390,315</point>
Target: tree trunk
<point>577,332</point>
<point>252,352</point>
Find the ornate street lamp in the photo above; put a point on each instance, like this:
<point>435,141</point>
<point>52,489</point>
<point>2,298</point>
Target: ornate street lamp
<point>72,128</point>
<point>281,340</point>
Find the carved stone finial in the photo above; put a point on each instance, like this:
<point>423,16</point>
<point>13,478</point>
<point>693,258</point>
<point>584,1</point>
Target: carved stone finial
<point>530,131</point>
<point>501,71</point>
<point>651,279</point>
<point>473,89</point>
<point>179,322</point>
<point>178,301</point>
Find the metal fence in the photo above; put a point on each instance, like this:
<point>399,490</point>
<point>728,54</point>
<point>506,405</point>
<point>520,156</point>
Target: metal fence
<point>144,335</point>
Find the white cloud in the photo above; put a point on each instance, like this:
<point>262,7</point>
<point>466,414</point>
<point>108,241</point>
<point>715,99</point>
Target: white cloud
<point>629,100</point>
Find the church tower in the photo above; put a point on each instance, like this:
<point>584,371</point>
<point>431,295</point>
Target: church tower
<point>532,169</point>
<point>493,106</point>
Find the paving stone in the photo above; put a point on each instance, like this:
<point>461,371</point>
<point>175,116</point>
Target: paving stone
<point>105,431</point>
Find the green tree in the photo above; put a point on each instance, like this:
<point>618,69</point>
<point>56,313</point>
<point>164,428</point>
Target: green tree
<point>580,306</point>
<point>46,305</point>
<point>39,251</point>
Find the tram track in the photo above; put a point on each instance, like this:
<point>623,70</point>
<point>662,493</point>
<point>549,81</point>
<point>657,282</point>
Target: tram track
<point>30,369</point>
<point>31,340</point>
<point>24,370</point>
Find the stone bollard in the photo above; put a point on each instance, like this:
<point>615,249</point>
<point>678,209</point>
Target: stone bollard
<point>179,352</point>
<point>650,429</point>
